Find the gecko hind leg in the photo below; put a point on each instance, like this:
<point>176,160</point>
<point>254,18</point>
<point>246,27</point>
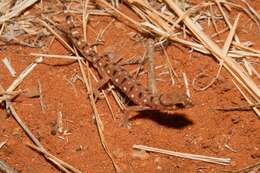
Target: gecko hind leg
<point>130,112</point>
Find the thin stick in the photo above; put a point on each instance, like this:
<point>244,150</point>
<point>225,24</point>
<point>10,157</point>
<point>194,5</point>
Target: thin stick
<point>249,169</point>
<point>3,143</point>
<point>56,56</point>
<point>229,63</point>
<point>99,123</point>
<point>230,36</point>
<point>225,18</point>
<point>109,105</point>
<point>43,151</point>
<point>37,142</point>
<point>5,168</point>
<point>85,20</point>
<point>186,83</point>
<point>151,69</point>
<point>17,9</point>
<point>222,161</point>
<point>56,35</point>
<point>169,66</point>
<point>22,76</point>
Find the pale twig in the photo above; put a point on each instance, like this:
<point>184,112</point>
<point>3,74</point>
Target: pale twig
<point>85,20</point>
<point>117,99</point>
<point>226,18</point>
<point>222,161</point>
<point>101,34</point>
<point>104,3</point>
<point>169,66</point>
<point>56,35</point>
<point>241,46</point>
<point>11,109</point>
<point>186,83</point>
<point>99,123</point>
<point>150,62</point>
<point>17,9</point>
<point>55,160</point>
<point>3,143</point>
<point>249,169</point>
<point>37,142</point>
<point>9,67</point>
<point>109,105</point>
<point>5,168</point>
<point>220,32</point>
<point>230,36</point>
<point>56,56</point>
<point>247,66</point>
<point>233,67</point>
<point>23,74</point>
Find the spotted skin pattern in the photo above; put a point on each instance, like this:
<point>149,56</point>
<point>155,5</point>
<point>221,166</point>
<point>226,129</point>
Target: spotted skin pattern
<point>122,79</point>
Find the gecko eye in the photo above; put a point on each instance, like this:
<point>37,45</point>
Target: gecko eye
<point>140,94</point>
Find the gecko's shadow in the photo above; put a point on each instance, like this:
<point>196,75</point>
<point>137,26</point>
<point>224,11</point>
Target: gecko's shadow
<point>173,120</point>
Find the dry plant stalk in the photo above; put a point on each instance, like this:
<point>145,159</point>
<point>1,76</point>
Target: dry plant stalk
<point>229,63</point>
<point>17,9</point>
<point>208,46</point>
<point>222,161</point>
<point>61,164</point>
<point>5,168</point>
<point>151,65</point>
<point>100,126</point>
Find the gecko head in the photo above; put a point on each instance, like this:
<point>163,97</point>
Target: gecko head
<point>173,101</point>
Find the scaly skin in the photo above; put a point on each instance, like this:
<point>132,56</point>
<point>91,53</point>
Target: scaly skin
<point>122,79</point>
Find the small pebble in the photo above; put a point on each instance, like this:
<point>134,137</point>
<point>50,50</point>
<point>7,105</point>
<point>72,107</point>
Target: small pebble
<point>235,119</point>
<point>140,154</point>
<point>256,155</point>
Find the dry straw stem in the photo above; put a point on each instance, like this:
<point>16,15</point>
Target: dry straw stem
<point>109,105</point>
<point>222,161</point>
<point>100,126</point>
<point>230,37</point>
<point>57,56</point>
<point>22,76</point>
<point>60,38</point>
<point>3,143</point>
<point>150,44</point>
<point>225,18</point>
<point>17,9</point>
<point>230,64</point>
<point>62,165</point>
<point>5,168</point>
<point>249,169</point>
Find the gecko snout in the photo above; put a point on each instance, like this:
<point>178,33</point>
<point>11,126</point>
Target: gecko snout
<point>175,101</point>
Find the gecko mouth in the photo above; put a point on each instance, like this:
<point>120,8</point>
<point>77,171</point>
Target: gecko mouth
<point>175,101</point>
<point>180,105</point>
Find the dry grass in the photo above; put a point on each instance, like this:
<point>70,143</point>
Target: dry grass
<point>164,21</point>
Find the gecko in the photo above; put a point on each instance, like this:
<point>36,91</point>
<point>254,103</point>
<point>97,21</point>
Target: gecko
<point>121,78</point>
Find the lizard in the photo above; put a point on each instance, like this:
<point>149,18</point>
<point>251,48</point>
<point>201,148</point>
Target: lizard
<point>121,78</point>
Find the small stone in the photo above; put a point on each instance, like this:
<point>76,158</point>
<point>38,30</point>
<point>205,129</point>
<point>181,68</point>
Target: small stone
<point>118,153</point>
<point>256,155</point>
<point>235,119</point>
<point>159,168</point>
<point>157,160</point>
<point>140,154</point>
